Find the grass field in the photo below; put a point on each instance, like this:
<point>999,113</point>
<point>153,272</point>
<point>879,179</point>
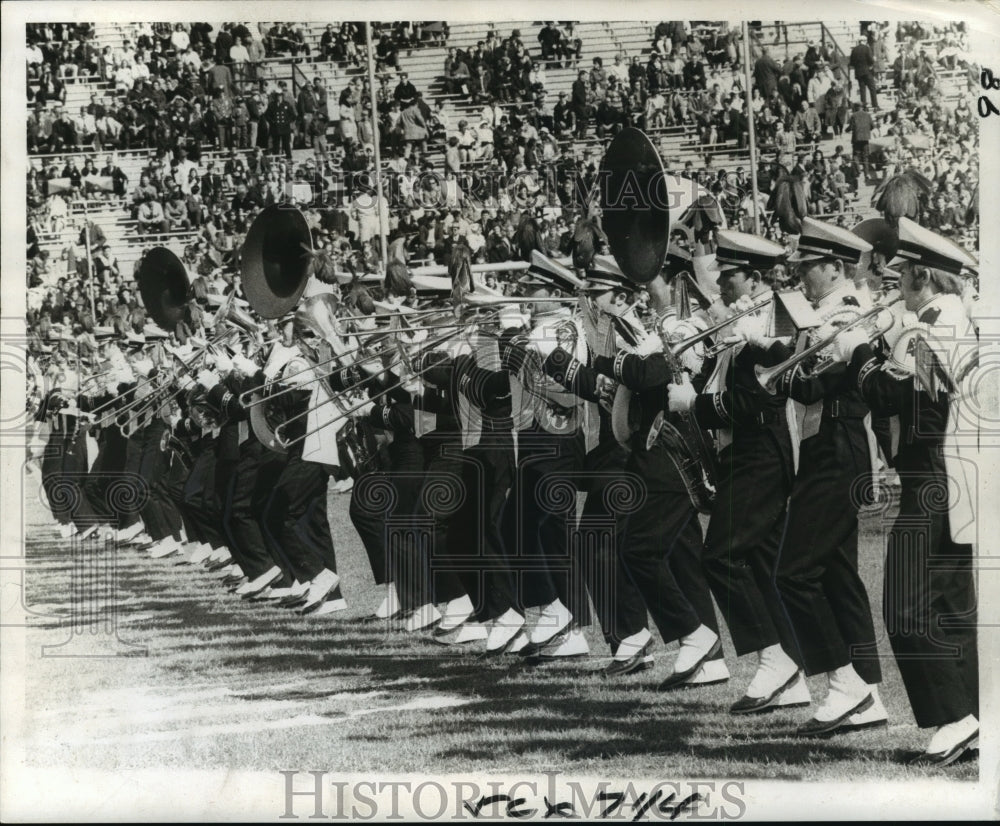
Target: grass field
<point>210,681</point>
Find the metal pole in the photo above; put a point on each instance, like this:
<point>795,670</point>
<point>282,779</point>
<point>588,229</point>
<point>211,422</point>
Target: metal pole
<point>752,127</point>
<point>90,262</point>
<point>383,230</point>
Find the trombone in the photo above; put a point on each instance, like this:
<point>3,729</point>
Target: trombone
<point>345,413</point>
<point>686,344</point>
<point>769,377</point>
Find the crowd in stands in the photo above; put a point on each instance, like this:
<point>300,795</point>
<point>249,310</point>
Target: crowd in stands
<point>221,150</point>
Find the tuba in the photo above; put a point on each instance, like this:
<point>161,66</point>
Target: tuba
<point>275,268</point>
<point>639,240</point>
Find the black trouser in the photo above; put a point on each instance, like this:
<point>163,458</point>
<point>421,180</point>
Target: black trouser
<point>929,605</point>
<point>201,505</point>
<point>425,574</point>
<point>247,489</point>
<point>295,514</point>
<point>867,83</point>
<point>382,506</point>
<point>481,557</point>
<point>617,601</point>
<point>109,465</point>
<point>817,571</point>
<point>661,546</point>
<point>537,520</point>
<point>170,486</point>
<point>744,534</point>
<point>158,514</point>
<point>64,475</point>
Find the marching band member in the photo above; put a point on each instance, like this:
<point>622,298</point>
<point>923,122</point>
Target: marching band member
<point>929,601</point>
<point>755,471</point>
<point>552,441</point>
<point>295,514</point>
<point>244,469</point>
<point>660,541</point>
<point>817,570</point>
<point>405,461</point>
<point>481,397</point>
<point>64,462</point>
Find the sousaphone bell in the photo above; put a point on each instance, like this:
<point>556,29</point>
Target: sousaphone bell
<point>275,259</point>
<point>164,287</point>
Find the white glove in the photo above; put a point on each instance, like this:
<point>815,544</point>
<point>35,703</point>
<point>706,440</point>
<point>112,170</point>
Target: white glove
<point>143,367</point>
<point>246,366</point>
<point>364,409</point>
<point>185,382</point>
<point>223,363</point>
<point>207,378</point>
<point>545,344</point>
<point>847,342</point>
<point>681,396</point>
<point>648,345</point>
<point>751,329</point>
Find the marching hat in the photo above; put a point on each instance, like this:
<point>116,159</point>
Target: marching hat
<point>135,340</point>
<point>741,250</point>
<point>103,333</point>
<point>822,240</point>
<point>153,333</point>
<point>553,274</point>
<point>605,274</point>
<point>930,249</point>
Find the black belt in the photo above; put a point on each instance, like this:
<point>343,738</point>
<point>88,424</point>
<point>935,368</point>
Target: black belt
<point>840,409</point>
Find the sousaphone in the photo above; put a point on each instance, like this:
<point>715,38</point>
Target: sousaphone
<point>275,259</point>
<point>164,287</point>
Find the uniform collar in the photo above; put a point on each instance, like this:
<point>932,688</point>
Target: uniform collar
<point>932,303</point>
<point>836,295</point>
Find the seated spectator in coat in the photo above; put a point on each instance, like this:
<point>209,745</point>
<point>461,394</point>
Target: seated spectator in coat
<point>151,217</point>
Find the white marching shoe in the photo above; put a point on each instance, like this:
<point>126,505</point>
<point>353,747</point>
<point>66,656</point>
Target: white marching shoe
<point>950,742</point>
<point>711,672</point>
<point>322,584</point>
<point>504,633</point>
<point>569,644</point>
<point>330,606</point>
<point>130,533</point>
<point>164,548</point>
<point>67,531</point>
<point>255,586</point>
<point>873,717</point>
<point>455,613</point>
<point>553,620</point>
<point>848,695</point>
<point>200,552</point>
<point>389,606</point>
<point>778,683</point>
<point>422,617</point>
<point>632,655</point>
<point>695,649</point>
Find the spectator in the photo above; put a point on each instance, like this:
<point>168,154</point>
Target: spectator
<point>863,63</point>
<point>405,91</point>
<point>860,126</point>
<point>281,117</point>
<point>151,218</point>
<point>414,128</point>
<point>806,124</point>
<point>580,104</point>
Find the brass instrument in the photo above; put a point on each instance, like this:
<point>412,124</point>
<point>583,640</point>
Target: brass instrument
<point>769,376</point>
<point>680,346</point>
<point>639,240</point>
